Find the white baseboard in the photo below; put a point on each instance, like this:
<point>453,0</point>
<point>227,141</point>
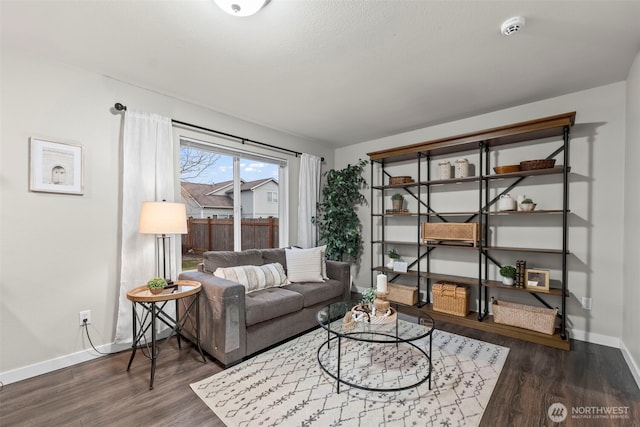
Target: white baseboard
<point>51,365</point>
<point>594,338</point>
<point>633,366</point>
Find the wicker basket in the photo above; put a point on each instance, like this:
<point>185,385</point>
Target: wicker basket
<point>525,316</point>
<point>400,180</point>
<point>450,231</point>
<point>407,295</point>
<point>506,169</point>
<point>451,298</point>
<point>529,165</point>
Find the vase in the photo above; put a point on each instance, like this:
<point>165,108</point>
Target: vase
<point>507,281</point>
<point>390,263</point>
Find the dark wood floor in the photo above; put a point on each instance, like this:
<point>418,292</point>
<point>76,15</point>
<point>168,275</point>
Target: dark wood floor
<point>102,393</point>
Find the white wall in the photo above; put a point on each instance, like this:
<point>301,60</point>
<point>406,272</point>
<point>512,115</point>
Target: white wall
<point>596,200</point>
<point>59,253</point>
<point>631,290</point>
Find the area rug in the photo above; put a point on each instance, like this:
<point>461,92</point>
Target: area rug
<point>286,387</point>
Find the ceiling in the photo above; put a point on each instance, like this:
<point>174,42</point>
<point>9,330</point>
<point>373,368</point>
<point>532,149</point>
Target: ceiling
<point>338,71</point>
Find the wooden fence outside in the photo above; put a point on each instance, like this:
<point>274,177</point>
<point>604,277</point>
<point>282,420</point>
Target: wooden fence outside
<point>217,234</point>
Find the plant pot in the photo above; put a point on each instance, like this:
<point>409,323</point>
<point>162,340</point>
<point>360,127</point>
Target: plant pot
<point>507,281</point>
<point>390,263</point>
<point>156,291</point>
<point>397,204</point>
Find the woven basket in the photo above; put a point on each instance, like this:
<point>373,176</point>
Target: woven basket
<point>451,298</point>
<point>506,169</point>
<point>450,231</point>
<point>400,180</point>
<point>529,165</point>
<point>525,316</point>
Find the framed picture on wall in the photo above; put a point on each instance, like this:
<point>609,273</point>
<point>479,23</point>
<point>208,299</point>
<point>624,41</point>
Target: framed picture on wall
<point>537,280</point>
<point>55,167</point>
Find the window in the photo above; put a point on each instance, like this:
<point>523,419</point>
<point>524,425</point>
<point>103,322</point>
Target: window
<point>231,196</point>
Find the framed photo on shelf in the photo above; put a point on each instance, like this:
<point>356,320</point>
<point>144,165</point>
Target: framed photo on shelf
<point>55,167</point>
<point>537,280</point>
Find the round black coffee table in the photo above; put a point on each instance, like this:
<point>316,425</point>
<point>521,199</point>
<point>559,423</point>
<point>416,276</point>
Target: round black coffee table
<point>374,346</point>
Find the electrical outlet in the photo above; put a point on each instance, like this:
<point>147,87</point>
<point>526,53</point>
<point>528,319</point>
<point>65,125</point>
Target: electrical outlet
<point>586,303</point>
<point>85,315</point>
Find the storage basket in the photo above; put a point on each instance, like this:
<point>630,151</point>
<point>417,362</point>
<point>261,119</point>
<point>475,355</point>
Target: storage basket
<point>528,165</point>
<point>400,180</point>
<point>407,295</point>
<point>450,231</point>
<point>537,319</point>
<point>451,298</point>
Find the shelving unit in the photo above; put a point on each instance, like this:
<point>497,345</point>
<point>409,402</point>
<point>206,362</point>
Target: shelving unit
<point>484,142</point>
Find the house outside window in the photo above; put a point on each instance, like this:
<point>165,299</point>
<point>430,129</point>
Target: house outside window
<point>231,196</point>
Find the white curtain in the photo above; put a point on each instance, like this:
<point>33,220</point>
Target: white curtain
<point>308,194</point>
<point>147,176</point>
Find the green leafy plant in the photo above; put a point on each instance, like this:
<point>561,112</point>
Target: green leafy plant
<point>393,254</point>
<point>508,271</point>
<point>397,196</point>
<point>369,295</point>
<point>156,283</point>
<point>526,201</point>
<point>338,224</point>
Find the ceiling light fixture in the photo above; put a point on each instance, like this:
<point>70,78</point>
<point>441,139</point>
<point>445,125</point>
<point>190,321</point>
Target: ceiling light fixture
<point>240,7</point>
<point>512,25</point>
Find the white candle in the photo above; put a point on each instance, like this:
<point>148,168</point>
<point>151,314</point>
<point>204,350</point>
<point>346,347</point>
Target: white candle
<point>382,283</point>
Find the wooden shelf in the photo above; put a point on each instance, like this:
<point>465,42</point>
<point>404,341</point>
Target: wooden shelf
<point>471,321</point>
<point>545,127</point>
<point>481,142</point>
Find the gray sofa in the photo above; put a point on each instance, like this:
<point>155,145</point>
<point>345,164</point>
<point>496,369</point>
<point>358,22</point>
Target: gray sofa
<point>234,325</point>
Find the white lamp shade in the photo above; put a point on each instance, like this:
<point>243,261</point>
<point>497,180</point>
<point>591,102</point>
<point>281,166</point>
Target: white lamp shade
<point>163,218</point>
<point>240,7</point>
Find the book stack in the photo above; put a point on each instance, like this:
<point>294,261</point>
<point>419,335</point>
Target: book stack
<point>521,271</point>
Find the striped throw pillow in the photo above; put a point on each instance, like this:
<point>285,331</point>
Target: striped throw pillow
<point>254,277</point>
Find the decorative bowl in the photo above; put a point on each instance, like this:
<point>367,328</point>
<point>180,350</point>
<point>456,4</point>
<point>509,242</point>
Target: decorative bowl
<point>506,169</point>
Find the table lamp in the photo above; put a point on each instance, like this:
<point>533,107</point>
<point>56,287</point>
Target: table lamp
<point>163,218</point>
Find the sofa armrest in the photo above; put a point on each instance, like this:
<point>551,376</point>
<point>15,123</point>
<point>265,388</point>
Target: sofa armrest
<point>222,316</point>
<point>341,271</point>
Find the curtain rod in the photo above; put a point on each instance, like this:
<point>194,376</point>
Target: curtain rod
<point>119,107</point>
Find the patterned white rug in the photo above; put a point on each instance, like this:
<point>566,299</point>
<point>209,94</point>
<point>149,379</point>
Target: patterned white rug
<point>286,387</point>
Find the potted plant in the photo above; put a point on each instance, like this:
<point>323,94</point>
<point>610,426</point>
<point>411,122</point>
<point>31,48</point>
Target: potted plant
<point>398,201</point>
<point>338,224</point>
<point>527,205</point>
<point>368,296</point>
<point>394,256</point>
<point>156,285</point>
<point>508,273</point>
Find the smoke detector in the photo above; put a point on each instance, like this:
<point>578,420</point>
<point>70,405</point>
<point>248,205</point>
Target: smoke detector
<point>512,25</point>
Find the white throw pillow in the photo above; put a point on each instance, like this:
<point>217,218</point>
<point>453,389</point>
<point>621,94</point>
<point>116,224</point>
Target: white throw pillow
<point>304,265</point>
<point>254,277</point>
<point>323,261</point>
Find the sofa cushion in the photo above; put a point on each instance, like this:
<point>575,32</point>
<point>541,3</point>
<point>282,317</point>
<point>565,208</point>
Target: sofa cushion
<point>273,255</point>
<point>216,259</point>
<point>254,277</point>
<point>270,303</point>
<point>323,260</point>
<point>314,293</point>
<point>304,265</point>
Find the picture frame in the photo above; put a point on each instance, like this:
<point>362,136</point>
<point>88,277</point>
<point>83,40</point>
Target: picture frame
<point>537,280</point>
<point>55,167</point>
<point>400,266</point>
